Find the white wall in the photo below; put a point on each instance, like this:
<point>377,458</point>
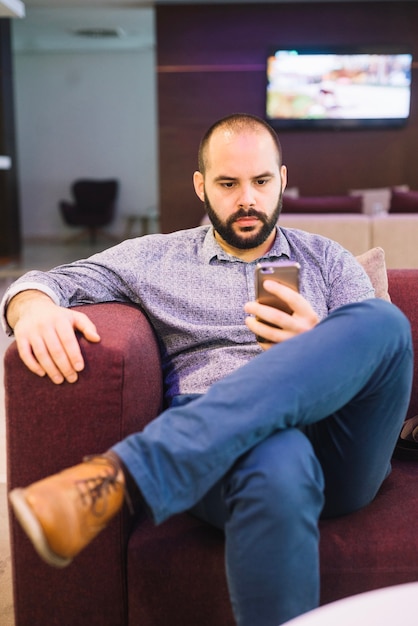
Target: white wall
<point>84,114</point>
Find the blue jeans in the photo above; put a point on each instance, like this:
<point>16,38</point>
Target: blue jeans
<point>305,429</point>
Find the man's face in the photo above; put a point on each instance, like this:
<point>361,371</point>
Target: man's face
<point>242,187</point>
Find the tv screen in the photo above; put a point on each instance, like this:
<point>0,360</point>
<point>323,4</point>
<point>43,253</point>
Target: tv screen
<point>338,88</point>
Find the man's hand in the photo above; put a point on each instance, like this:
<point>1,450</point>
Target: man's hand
<point>284,326</point>
<point>45,335</point>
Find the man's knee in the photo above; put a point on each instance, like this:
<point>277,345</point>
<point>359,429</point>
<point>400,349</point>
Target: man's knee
<point>378,315</point>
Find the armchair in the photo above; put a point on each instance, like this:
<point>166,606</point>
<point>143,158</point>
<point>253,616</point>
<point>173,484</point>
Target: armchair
<point>172,574</point>
<point>94,205</point>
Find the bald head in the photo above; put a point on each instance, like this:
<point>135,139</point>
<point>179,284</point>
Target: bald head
<point>234,125</point>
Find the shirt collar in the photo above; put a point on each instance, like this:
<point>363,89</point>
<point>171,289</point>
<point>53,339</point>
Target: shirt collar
<point>211,248</point>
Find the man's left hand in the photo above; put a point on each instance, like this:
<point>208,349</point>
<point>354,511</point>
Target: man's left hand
<point>275,325</point>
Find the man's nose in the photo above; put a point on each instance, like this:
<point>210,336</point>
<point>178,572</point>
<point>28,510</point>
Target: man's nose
<point>247,196</point>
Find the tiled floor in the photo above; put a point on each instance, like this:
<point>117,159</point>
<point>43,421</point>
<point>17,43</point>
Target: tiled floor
<point>40,254</point>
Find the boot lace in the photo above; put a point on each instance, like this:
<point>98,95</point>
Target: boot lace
<point>94,491</point>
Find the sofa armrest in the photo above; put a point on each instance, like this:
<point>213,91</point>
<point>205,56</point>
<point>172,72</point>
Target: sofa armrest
<point>50,427</point>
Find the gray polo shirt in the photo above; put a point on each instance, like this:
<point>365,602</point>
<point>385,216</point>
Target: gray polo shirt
<point>194,293</point>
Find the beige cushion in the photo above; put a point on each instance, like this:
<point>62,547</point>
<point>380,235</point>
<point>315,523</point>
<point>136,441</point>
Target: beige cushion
<point>396,233</point>
<point>376,200</point>
<point>292,192</point>
<point>351,230</point>
<point>373,262</point>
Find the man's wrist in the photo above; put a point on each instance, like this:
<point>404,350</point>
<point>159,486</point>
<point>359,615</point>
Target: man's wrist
<point>19,287</point>
<point>20,302</point>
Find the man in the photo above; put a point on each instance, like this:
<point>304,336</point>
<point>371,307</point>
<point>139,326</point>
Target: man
<point>260,439</point>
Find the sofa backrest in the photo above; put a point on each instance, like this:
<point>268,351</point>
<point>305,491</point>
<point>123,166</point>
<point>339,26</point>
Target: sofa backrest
<point>403,290</point>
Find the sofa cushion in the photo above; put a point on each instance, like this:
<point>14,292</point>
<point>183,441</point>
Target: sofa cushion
<point>375,546</point>
<point>373,262</point>
<point>322,204</point>
<point>351,230</point>
<point>376,200</point>
<point>291,192</point>
<point>404,201</point>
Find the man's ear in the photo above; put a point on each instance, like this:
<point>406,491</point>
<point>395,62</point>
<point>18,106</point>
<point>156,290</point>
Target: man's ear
<point>199,185</point>
<point>283,176</point>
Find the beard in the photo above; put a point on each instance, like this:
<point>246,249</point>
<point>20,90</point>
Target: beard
<point>236,239</point>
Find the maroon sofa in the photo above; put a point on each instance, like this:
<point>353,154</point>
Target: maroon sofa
<point>173,574</point>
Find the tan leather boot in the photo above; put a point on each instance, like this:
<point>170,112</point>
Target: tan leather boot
<point>63,513</point>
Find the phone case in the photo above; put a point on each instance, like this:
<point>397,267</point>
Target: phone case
<point>284,272</point>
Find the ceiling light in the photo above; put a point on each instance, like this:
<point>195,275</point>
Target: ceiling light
<point>100,33</point>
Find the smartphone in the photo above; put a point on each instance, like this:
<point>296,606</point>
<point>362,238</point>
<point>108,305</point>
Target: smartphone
<point>285,272</point>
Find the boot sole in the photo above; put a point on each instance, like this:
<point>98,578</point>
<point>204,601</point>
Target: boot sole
<point>34,530</point>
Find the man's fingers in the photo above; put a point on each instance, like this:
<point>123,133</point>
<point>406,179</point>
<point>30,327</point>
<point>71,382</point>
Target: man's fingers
<point>49,345</point>
<point>63,358</point>
<point>51,355</point>
<point>292,298</point>
<point>46,335</point>
<point>26,354</point>
<point>275,325</point>
<point>36,357</point>
<point>271,335</point>
<point>84,324</point>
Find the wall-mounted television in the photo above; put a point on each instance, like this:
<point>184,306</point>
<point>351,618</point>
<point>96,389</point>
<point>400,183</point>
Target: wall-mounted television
<point>338,88</point>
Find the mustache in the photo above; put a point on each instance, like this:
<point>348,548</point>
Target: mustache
<point>247,213</point>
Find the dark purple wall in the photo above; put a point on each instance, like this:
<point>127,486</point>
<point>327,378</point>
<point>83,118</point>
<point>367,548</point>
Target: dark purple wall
<point>211,63</point>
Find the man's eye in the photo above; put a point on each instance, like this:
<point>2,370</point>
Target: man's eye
<point>261,181</point>
<point>228,185</point>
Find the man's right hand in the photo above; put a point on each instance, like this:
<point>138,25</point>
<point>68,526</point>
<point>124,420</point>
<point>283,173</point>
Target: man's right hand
<point>45,335</point>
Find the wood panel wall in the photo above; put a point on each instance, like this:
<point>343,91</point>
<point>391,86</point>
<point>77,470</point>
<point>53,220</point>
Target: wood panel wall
<point>10,236</point>
<point>211,63</point>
